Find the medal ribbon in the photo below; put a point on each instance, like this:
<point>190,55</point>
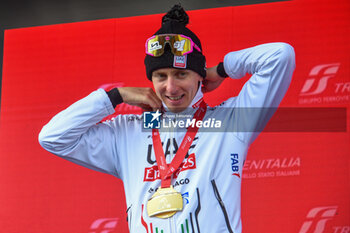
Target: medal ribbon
<point>165,170</point>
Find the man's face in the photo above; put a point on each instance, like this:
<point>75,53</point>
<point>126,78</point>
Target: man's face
<point>176,87</point>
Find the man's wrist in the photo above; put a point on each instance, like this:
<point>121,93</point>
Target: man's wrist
<point>221,70</point>
<point>115,97</point>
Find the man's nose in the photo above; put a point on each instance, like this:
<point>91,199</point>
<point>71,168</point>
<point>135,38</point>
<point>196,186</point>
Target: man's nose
<point>172,86</point>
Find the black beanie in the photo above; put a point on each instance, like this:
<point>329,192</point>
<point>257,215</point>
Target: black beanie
<point>174,22</point>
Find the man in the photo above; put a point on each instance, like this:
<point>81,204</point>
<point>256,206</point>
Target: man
<point>183,178</point>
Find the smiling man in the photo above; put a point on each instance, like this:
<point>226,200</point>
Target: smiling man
<point>181,178</point>
<point>176,88</point>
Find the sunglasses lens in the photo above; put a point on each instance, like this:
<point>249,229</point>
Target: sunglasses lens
<point>181,45</point>
<point>155,46</point>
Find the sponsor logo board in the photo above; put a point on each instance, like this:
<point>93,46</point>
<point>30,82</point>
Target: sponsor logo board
<point>104,225</point>
<point>317,218</point>
<point>271,167</point>
<point>322,86</point>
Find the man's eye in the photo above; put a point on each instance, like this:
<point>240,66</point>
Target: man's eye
<point>161,76</point>
<point>183,74</point>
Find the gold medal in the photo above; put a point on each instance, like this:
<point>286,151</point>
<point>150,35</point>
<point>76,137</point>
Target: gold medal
<point>164,203</point>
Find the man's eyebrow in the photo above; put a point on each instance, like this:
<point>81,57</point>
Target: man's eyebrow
<point>180,71</point>
<point>160,72</point>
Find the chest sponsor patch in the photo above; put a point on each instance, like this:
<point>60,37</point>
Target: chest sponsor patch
<point>152,173</point>
<point>235,165</point>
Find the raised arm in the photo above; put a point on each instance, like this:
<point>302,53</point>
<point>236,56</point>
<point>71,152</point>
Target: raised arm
<point>74,134</point>
<point>271,66</point>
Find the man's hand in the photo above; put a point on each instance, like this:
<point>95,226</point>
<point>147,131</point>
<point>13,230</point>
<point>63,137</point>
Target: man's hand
<point>143,97</point>
<point>212,80</point>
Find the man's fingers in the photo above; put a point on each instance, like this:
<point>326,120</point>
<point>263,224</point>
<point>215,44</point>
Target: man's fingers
<point>210,85</point>
<point>207,86</point>
<point>143,97</point>
<point>145,107</point>
<point>212,80</point>
<point>153,99</point>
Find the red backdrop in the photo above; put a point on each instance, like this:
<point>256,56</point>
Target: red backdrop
<point>292,182</point>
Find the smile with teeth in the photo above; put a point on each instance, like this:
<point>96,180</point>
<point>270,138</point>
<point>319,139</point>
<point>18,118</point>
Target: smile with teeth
<point>175,97</point>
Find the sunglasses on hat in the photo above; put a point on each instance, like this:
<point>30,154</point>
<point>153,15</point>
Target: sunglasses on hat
<point>180,45</point>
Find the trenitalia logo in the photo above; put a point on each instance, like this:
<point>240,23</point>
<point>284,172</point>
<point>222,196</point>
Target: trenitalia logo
<point>322,73</point>
<point>272,167</point>
<point>317,219</point>
<point>104,225</point>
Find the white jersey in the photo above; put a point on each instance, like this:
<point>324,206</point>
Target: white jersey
<point>210,176</point>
